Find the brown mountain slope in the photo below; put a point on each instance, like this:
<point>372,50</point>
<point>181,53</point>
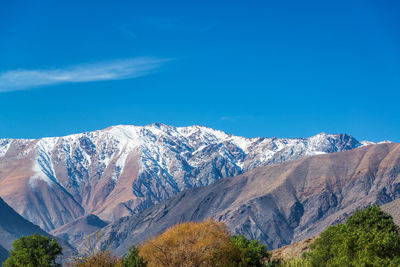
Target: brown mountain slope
<point>77,231</point>
<point>278,204</point>
<point>46,204</point>
<point>393,208</point>
<point>294,250</point>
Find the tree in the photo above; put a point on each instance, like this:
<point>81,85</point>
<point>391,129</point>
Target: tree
<point>190,244</point>
<point>133,259</point>
<point>34,251</point>
<point>368,238</point>
<point>251,253</point>
<point>101,258</point>
<point>92,256</point>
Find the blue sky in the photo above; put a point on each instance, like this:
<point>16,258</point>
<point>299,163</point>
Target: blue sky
<point>251,68</point>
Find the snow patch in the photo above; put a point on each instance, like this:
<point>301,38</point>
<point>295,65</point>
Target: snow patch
<point>4,146</point>
<point>367,143</point>
<point>38,176</point>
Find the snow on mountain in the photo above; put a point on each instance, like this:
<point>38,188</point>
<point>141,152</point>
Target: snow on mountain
<point>124,169</point>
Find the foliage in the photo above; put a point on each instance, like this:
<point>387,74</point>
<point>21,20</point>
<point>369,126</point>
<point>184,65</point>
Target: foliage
<point>34,251</point>
<point>133,259</point>
<point>106,258</point>
<point>101,258</point>
<point>190,244</point>
<point>92,256</point>
<point>293,262</point>
<point>251,253</point>
<point>369,238</point>
<point>90,245</point>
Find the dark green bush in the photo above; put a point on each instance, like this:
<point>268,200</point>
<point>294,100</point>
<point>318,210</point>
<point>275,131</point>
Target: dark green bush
<point>133,259</point>
<point>34,251</point>
<point>250,253</point>
<point>369,238</point>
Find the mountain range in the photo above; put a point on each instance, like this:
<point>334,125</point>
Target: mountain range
<point>123,170</point>
<point>277,204</point>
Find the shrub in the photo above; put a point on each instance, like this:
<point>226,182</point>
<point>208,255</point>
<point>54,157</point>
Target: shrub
<point>251,253</point>
<point>101,258</point>
<point>133,259</point>
<point>91,256</point>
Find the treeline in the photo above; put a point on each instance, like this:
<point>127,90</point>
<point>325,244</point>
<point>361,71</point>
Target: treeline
<point>188,244</point>
<point>368,238</point>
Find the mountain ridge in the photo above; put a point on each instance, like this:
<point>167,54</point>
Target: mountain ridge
<point>124,169</point>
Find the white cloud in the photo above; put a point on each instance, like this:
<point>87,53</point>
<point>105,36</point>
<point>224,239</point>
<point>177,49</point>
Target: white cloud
<point>112,70</point>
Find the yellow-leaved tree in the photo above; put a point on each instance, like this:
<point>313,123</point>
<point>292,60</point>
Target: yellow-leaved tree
<point>191,244</point>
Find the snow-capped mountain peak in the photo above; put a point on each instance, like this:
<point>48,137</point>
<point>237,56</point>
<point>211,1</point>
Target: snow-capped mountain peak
<point>124,169</point>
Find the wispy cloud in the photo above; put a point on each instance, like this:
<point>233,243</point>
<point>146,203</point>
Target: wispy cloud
<point>21,79</point>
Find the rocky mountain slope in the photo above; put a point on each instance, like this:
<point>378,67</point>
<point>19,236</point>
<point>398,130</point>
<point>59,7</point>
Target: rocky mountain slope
<point>3,255</point>
<point>124,169</point>
<point>278,204</point>
<point>13,226</point>
<point>77,232</point>
<point>294,250</point>
<point>393,208</point>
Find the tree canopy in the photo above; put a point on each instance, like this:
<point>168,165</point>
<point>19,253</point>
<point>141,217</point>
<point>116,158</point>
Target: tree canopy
<point>202,244</point>
<point>34,251</point>
<point>133,259</point>
<point>368,238</point>
<point>189,244</point>
<point>251,252</point>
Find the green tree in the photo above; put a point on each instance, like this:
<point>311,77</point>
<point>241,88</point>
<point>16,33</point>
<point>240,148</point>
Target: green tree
<point>34,251</point>
<point>368,238</point>
<point>250,253</point>
<point>133,259</point>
